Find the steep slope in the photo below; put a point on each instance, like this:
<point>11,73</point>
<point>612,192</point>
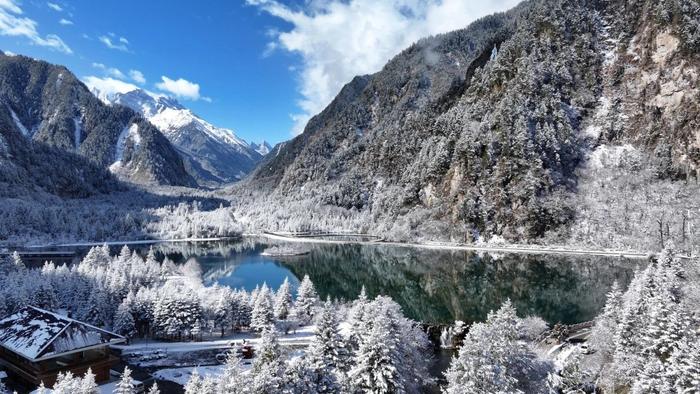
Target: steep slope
<point>211,154</point>
<point>479,132</point>
<point>46,105</point>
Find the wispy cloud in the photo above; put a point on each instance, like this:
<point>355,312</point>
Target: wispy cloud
<point>13,24</point>
<point>54,6</point>
<point>110,71</point>
<point>65,22</point>
<point>339,39</point>
<point>137,76</point>
<point>113,42</point>
<point>181,88</point>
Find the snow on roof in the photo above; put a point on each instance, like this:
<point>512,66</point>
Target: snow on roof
<point>36,334</point>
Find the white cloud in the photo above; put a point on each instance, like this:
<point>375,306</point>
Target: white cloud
<point>339,39</point>
<point>120,44</point>
<point>54,6</point>
<point>107,87</point>
<point>14,25</point>
<point>65,22</point>
<point>110,71</point>
<point>181,88</point>
<point>11,6</point>
<point>137,76</point>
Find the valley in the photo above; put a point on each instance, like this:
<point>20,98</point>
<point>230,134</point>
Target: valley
<point>445,223</point>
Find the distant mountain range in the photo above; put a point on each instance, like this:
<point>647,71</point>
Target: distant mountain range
<point>56,135</point>
<point>212,155</point>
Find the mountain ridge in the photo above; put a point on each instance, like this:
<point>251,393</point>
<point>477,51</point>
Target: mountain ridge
<point>212,155</point>
<point>46,104</point>
<point>482,132</point>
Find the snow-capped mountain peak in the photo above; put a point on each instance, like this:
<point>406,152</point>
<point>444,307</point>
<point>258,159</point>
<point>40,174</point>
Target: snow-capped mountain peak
<point>216,154</point>
<point>263,148</point>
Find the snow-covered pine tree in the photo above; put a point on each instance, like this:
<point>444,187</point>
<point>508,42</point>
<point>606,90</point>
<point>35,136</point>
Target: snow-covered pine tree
<point>685,365</point>
<point>603,333</point>
<point>208,386</point>
<point>327,350</point>
<point>242,311</point>
<point>375,364</point>
<point>88,384</point>
<point>67,383</point>
<point>653,379</point>
<point>359,327</point>
<point>305,304</point>
<point>283,301</point>
<point>223,316</point>
<point>17,262</point>
<point>268,367</point>
<point>124,323</point>
<point>194,383</point>
<point>233,380</point>
<point>299,377</point>
<point>154,389</point>
<point>489,357</point>
<point>269,350</point>
<point>262,315</point>
<point>125,384</point>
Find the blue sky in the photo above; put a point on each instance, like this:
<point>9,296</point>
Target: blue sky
<point>259,67</point>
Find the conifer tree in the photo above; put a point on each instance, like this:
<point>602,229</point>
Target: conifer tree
<point>124,323</point>
<point>305,304</point>
<point>283,301</point>
<point>88,384</point>
<point>125,384</point>
<point>262,315</point>
<point>232,380</point>
<point>194,383</point>
<point>376,369</point>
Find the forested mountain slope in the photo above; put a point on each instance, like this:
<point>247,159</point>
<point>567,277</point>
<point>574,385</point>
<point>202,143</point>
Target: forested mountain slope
<point>58,136</point>
<point>485,131</point>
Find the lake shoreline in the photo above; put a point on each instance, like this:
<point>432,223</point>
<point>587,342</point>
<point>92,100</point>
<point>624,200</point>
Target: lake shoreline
<point>521,249</point>
<point>287,237</point>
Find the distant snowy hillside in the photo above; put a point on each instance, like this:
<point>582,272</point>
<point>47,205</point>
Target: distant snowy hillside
<point>212,155</point>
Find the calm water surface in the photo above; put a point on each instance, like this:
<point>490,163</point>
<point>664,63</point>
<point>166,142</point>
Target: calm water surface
<point>432,286</point>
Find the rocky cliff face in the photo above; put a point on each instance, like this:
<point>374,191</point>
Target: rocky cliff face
<point>45,108</point>
<point>482,130</point>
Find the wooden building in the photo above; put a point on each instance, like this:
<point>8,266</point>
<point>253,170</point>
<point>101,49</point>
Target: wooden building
<point>35,345</point>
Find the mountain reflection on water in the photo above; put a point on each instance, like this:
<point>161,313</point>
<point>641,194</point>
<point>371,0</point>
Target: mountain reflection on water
<point>433,286</point>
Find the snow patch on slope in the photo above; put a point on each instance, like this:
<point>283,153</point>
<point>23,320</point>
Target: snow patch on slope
<point>19,124</point>
<point>77,132</point>
<point>130,132</point>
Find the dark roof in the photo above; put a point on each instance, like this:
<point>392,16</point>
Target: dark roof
<point>38,334</point>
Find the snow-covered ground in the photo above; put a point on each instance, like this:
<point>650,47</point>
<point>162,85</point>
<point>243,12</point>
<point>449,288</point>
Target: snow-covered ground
<point>176,361</point>
<point>301,337</point>
<point>182,375</point>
